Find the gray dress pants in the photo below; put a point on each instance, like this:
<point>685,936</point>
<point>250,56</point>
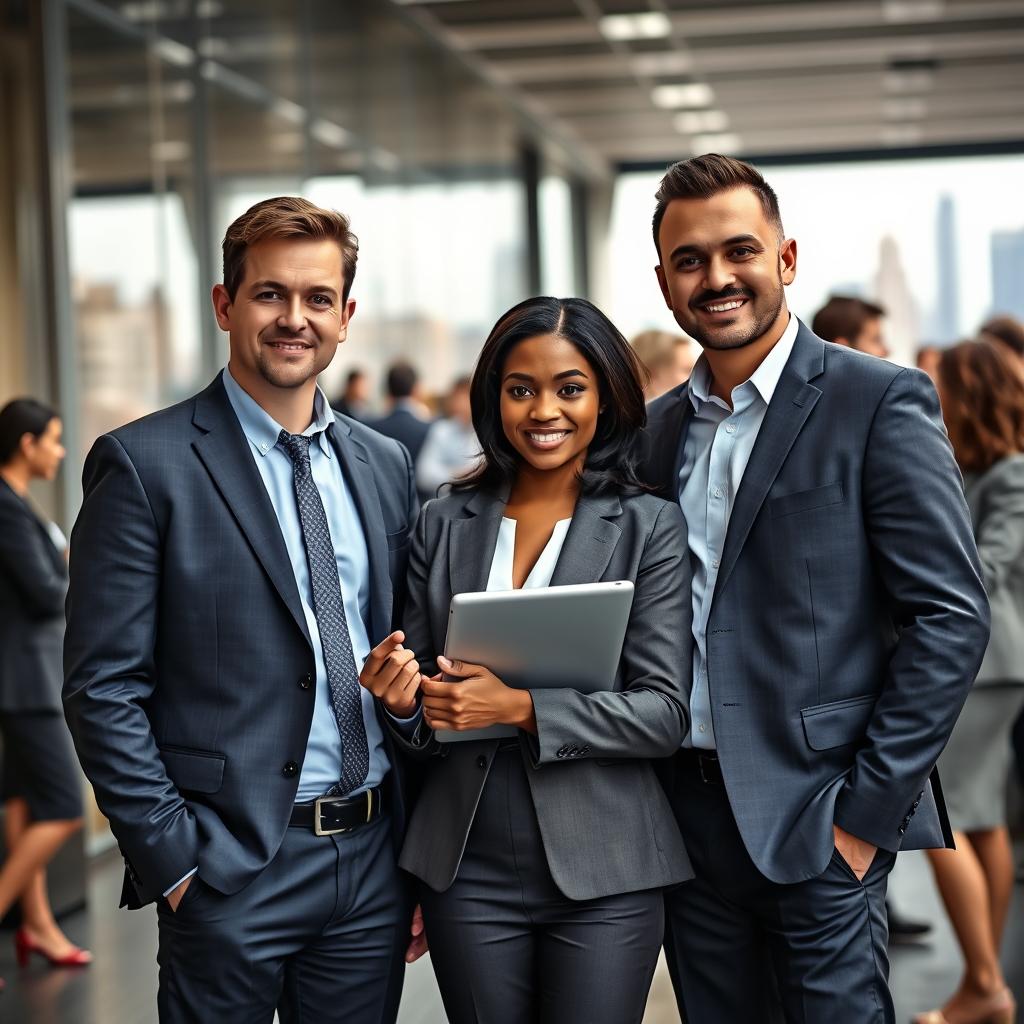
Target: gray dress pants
<point>508,948</point>
<point>319,935</point>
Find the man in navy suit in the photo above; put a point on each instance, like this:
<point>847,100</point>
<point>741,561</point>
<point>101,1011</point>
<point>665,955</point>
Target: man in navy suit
<point>838,617</point>
<point>235,559</point>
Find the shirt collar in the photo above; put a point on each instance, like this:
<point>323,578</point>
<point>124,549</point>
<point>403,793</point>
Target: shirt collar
<point>765,379</point>
<point>263,430</point>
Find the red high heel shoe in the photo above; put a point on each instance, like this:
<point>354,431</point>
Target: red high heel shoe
<point>24,947</point>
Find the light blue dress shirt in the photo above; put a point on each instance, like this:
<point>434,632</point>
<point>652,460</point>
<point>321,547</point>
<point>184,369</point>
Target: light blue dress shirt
<point>716,451</point>
<point>321,767</point>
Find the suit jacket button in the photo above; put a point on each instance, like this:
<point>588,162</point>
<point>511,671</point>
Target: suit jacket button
<point>306,681</point>
<point>290,770</point>
<point>481,761</point>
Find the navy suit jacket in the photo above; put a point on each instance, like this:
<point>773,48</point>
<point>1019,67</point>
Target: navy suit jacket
<point>187,659</point>
<point>849,617</point>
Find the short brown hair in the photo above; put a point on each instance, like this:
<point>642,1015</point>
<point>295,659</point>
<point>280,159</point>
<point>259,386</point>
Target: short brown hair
<point>1007,330</point>
<point>657,349</point>
<point>705,176</point>
<point>287,217</point>
<point>844,317</point>
<point>982,388</point>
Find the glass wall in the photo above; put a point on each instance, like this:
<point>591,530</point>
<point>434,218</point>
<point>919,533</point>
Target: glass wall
<point>184,114</point>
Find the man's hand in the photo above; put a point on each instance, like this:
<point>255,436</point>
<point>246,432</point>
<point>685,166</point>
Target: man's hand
<point>477,700</point>
<point>418,940</point>
<point>857,853</point>
<point>174,896</point>
<point>392,674</point>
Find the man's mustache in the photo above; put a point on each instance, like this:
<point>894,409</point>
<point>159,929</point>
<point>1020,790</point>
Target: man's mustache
<point>723,296</point>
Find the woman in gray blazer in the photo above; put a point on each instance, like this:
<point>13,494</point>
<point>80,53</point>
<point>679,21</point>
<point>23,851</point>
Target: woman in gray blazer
<point>981,388</point>
<point>39,778</point>
<point>542,859</point>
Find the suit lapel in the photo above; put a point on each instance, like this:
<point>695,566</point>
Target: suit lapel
<point>355,465</point>
<point>787,413</point>
<point>590,541</point>
<point>472,543</point>
<point>223,449</point>
<point>667,437</point>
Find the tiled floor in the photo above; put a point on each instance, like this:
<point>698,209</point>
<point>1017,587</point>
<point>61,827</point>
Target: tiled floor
<point>120,987</point>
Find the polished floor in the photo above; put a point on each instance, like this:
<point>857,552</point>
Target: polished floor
<point>120,987</point>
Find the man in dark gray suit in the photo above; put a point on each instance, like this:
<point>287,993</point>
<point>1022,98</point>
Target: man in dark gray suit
<point>236,557</point>
<point>838,618</point>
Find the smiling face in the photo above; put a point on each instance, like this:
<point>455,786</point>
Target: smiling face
<point>287,317</point>
<point>723,268</point>
<point>550,400</point>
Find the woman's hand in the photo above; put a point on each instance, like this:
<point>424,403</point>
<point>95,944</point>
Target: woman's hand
<point>392,674</point>
<point>479,699</point>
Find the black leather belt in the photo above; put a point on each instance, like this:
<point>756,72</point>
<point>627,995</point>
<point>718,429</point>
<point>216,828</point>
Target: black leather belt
<point>331,815</point>
<point>702,763</point>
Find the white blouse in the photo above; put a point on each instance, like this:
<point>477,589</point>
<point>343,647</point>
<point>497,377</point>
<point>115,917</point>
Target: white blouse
<point>540,575</point>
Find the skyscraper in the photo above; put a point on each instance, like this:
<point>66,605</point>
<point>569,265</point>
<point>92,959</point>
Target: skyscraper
<point>893,294</point>
<point>946,327</point>
<point>1008,273</point>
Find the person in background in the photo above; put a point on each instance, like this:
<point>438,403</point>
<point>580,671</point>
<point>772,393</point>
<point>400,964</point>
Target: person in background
<point>41,784</point>
<point>982,395</point>
<point>927,359</point>
<point>852,322</point>
<point>354,401</point>
<point>668,359</point>
<point>450,447</point>
<point>408,421</point>
<point>1007,330</point>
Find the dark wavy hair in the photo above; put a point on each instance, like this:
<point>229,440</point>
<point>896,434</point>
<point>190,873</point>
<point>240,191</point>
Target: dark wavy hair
<point>19,417</point>
<point>613,455</point>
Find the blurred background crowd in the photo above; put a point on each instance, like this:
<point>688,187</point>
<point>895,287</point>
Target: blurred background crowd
<point>485,151</point>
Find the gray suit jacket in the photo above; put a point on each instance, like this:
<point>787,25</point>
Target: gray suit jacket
<point>849,617</point>
<point>187,659</point>
<point>996,501</point>
<point>605,821</point>
<point>33,583</point>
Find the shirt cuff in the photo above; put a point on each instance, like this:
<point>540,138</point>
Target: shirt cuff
<point>179,881</point>
<point>406,726</point>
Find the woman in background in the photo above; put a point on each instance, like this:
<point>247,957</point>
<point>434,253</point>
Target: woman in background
<point>981,388</point>
<point>41,783</point>
<point>542,858</point>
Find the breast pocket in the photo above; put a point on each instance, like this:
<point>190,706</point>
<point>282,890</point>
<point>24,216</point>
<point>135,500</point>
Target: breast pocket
<point>806,501</point>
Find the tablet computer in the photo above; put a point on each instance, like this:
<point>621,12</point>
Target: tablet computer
<point>543,637</point>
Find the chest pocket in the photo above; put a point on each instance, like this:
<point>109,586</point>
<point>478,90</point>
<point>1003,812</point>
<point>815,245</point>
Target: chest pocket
<point>806,501</point>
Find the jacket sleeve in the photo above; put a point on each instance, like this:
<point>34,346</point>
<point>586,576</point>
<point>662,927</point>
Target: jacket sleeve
<point>648,718</point>
<point>110,672</point>
<point>920,535</point>
<point>415,623</point>
<point>27,564</point>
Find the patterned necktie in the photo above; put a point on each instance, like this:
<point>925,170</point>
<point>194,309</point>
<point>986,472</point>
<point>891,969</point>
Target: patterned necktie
<point>342,677</point>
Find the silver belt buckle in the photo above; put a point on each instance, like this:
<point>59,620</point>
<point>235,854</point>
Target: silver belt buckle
<point>318,829</point>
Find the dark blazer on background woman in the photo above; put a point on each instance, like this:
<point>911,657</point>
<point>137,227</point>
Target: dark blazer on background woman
<point>33,584</point>
<point>606,824</point>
